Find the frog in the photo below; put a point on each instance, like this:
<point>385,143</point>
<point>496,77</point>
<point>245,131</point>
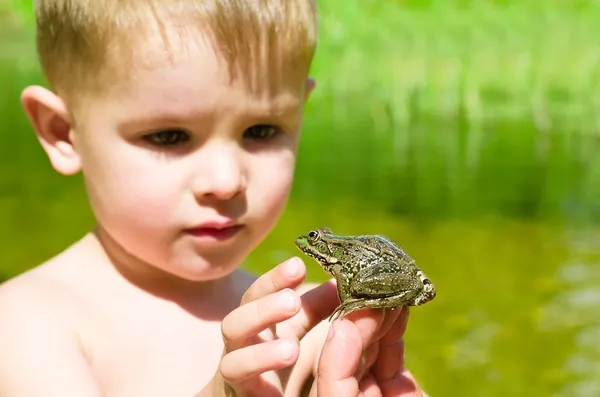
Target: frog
<point>371,271</point>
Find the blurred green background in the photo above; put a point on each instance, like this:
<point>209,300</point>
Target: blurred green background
<point>467,131</point>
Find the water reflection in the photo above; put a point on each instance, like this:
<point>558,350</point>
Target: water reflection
<point>575,311</point>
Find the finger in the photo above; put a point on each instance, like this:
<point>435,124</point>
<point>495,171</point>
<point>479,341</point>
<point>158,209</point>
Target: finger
<point>411,385</point>
<point>373,324</point>
<point>389,370</point>
<point>390,361</point>
<point>241,365</point>
<point>244,323</point>
<point>402,385</point>
<point>398,328</point>
<point>369,357</point>
<point>316,305</point>
<point>368,321</point>
<point>389,319</point>
<point>288,274</point>
<point>369,387</point>
<point>371,353</point>
<point>339,361</point>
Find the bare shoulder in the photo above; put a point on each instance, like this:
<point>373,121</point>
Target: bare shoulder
<point>37,293</point>
<point>27,296</point>
<point>37,334</point>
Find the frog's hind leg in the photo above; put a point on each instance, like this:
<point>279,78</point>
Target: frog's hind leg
<point>376,303</point>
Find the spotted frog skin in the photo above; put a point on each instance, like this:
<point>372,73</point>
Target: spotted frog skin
<point>370,270</point>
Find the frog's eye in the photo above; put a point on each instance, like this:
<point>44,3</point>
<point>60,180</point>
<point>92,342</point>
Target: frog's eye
<point>314,235</point>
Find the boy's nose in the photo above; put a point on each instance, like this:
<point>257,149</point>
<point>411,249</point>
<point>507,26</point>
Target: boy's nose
<point>222,175</point>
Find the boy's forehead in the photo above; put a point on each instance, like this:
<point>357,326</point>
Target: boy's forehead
<point>195,61</point>
<point>188,78</point>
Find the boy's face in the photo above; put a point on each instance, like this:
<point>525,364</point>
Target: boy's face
<point>186,170</point>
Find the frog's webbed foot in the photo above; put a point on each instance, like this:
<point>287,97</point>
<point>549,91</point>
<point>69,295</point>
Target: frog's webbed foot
<point>339,312</point>
<point>428,293</point>
<point>343,310</point>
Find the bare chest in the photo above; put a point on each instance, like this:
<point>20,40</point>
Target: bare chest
<point>160,355</point>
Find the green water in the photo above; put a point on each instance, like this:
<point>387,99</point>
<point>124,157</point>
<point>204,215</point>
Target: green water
<point>516,311</point>
<point>464,130</point>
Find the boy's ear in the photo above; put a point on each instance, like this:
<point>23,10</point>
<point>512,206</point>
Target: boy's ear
<point>51,122</point>
<point>310,86</point>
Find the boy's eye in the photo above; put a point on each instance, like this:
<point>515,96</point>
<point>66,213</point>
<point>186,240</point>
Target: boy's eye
<point>261,132</point>
<point>167,137</point>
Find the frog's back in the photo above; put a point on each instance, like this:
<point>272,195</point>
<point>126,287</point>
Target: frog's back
<point>386,246</point>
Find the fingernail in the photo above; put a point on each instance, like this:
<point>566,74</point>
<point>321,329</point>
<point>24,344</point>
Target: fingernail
<point>286,350</point>
<point>292,267</point>
<point>287,300</point>
<point>331,331</point>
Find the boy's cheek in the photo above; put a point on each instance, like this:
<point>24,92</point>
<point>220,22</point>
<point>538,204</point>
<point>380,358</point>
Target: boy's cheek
<point>276,173</point>
<point>138,201</point>
<point>271,191</point>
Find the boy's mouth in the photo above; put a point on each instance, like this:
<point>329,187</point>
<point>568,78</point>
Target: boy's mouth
<point>214,233</point>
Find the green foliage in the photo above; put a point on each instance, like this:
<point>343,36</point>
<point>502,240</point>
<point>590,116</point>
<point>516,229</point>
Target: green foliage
<point>451,110</point>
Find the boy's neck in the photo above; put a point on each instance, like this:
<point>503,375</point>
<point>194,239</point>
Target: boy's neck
<point>195,296</point>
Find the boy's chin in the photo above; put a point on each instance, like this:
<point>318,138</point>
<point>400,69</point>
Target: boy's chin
<point>208,267</point>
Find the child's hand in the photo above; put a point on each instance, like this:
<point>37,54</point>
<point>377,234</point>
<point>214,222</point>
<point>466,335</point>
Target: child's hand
<point>260,345</point>
<point>364,355</point>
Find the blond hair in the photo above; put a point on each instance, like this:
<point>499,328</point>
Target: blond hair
<point>84,44</point>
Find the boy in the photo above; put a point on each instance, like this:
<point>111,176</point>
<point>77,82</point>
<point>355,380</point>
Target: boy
<point>184,118</point>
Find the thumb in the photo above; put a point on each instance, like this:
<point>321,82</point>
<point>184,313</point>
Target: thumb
<point>339,361</point>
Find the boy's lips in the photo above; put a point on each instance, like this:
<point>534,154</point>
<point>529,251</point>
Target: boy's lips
<point>214,232</point>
